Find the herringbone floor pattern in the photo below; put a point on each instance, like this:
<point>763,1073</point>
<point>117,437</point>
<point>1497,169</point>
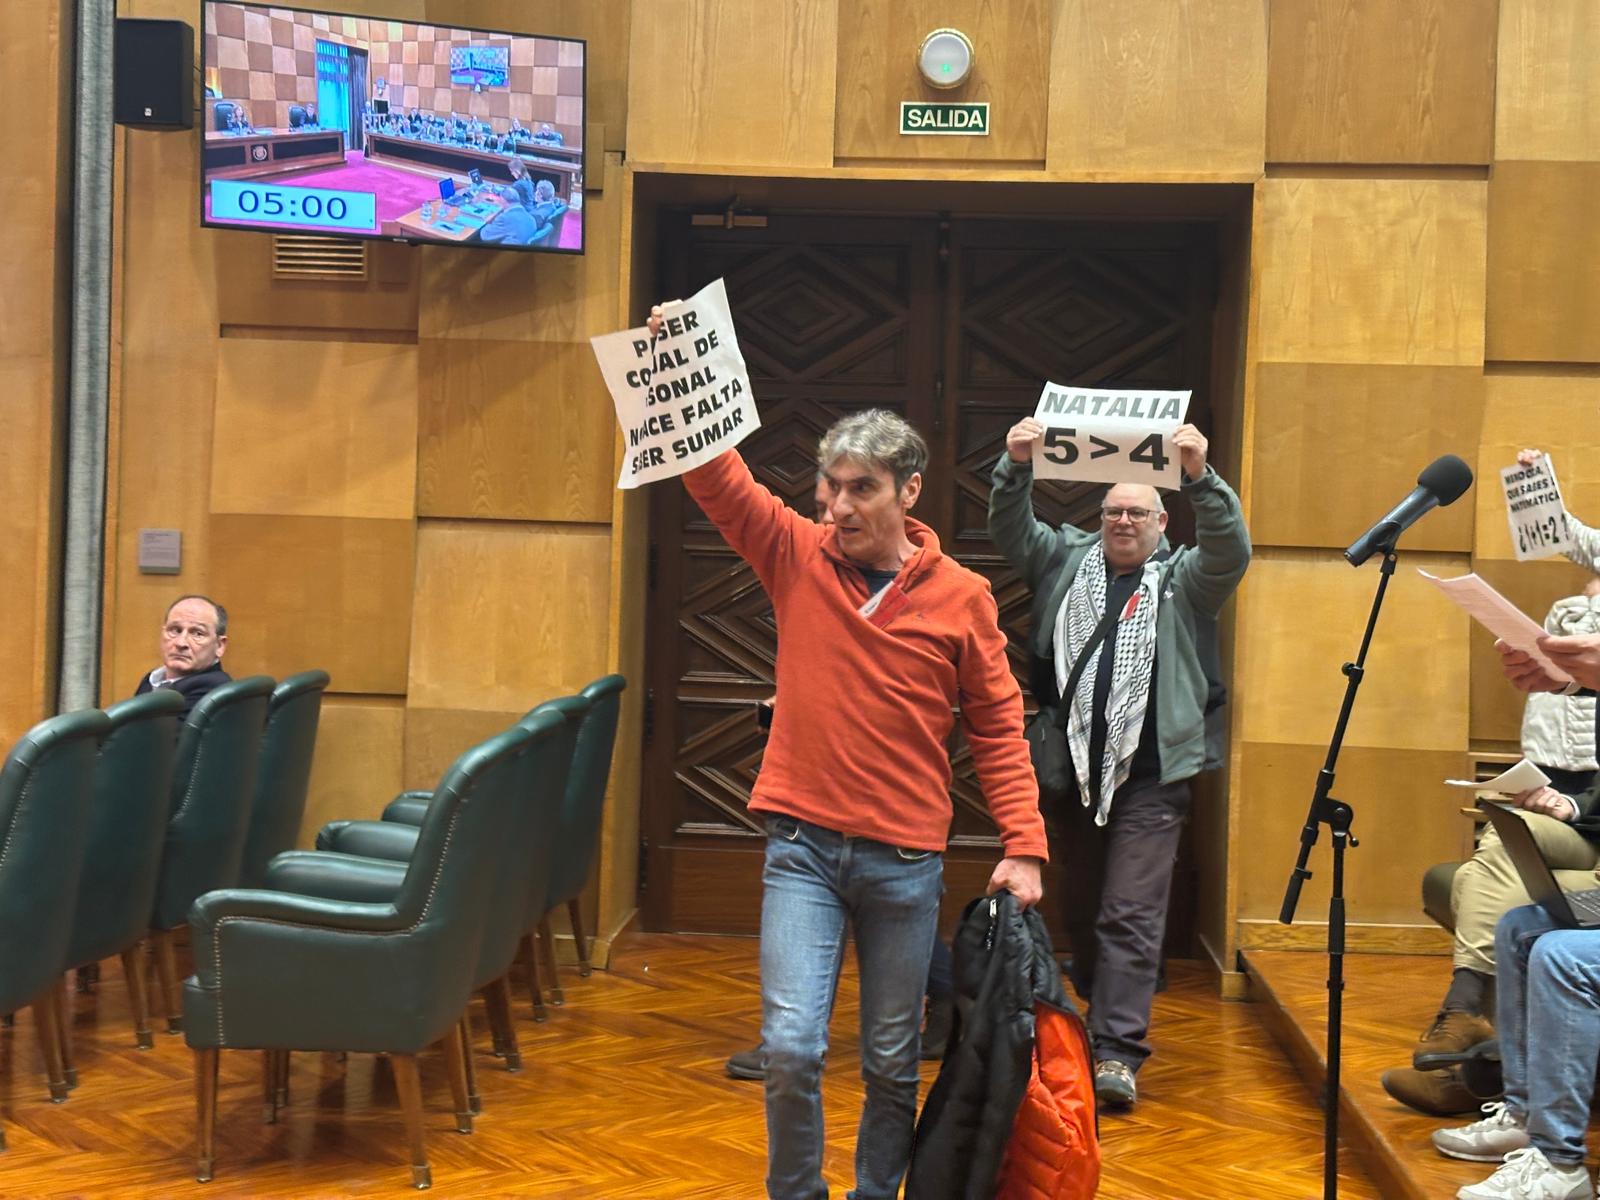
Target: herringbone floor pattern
<point>622,1097</point>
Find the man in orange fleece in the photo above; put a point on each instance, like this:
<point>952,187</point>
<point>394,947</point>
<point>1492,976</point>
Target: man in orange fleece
<point>880,638</point>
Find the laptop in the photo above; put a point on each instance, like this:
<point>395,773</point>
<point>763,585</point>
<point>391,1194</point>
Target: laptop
<point>1571,910</point>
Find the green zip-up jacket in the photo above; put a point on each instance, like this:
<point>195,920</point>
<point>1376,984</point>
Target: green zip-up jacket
<point>1202,578</point>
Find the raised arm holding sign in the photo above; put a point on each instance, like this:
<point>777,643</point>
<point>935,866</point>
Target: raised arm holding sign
<point>1104,435</point>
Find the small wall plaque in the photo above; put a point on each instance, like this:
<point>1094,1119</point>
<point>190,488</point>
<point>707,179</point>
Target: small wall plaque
<point>160,551</point>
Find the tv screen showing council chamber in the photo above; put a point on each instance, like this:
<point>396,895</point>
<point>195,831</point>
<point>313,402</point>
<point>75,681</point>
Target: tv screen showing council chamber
<point>320,122</point>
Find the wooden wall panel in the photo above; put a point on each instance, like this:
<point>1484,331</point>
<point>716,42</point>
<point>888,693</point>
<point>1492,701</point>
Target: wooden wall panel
<point>733,82</point>
<point>34,284</point>
<point>507,615</point>
<point>514,430</point>
<point>1544,262</point>
<point>1370,271</point>
<point>251,295</point>
<point>1496,714</point>
<point>1300,615</point>
<point>1153,86</point>
<point>1336,446</point>
<point>316,592</point>
<point>315,429</point>
<point>356,770</point>
<point>1547,95</point>
<point>1547,410</point>
<point>1406,820</point>
<point>878,43</point>
<point>1381,81</point>
<point>436,737</point>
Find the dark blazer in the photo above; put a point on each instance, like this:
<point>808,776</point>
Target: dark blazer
<point>190,687</point>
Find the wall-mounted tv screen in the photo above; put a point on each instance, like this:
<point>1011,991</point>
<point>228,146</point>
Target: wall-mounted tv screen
<point>319,122</point>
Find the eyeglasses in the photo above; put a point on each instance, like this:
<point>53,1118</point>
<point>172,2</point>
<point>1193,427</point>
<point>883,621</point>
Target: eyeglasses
<point>1137,515</point>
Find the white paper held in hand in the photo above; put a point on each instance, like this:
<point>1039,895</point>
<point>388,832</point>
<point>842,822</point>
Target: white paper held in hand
<point>1499,616</point>
<point>1523,777</point>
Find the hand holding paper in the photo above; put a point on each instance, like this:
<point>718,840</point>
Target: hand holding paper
<point>1523,777</point>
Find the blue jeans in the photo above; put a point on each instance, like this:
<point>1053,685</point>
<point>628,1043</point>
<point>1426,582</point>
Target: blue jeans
<point>816,882</point>
<point>1548,1011</point>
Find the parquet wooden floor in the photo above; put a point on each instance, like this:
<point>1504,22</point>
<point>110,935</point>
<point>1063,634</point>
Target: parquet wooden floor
<point>1388,1000</point>
<point>622,1096</point>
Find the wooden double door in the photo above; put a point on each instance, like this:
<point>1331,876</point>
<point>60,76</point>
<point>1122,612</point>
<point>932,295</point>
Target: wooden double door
<point>954,323</point>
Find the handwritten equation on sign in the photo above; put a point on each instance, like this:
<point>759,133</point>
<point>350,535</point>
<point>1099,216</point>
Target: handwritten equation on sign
<point>1534,508</point>
<point>1106,435</point>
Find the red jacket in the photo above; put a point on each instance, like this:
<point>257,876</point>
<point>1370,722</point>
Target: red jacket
<point>859,743</point>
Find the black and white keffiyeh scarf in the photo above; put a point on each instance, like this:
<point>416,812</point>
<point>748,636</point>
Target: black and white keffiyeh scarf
<point>1133,659</point>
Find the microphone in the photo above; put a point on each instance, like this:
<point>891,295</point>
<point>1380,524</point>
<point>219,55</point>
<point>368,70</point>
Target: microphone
<point>1442,482</point>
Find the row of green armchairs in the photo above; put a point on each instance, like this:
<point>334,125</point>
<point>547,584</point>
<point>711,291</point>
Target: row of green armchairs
<point>112,823</point>
<point>376,941</point>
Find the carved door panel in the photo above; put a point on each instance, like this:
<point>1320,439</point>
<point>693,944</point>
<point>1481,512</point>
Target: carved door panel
<point>953,323</point>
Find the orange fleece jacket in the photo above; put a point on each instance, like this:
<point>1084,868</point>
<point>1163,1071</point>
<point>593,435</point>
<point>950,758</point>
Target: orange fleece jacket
<point>859,738</point>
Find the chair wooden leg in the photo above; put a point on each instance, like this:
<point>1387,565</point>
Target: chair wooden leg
<point>530,953</point>
<point>281,1096</point>
<point>557,996</point>
<point>269,1087</point>
<point>470,1068</point>
<point>205,1097</point>
<point>47,1025</point>
<point>497,997</point>
<point>408,1086</point>
<point>497,1037</point>
<point>62,994</point>
<point>133,969</point>
<point>455,1061</point>
<point>575,914</point>
<point>167,970</point>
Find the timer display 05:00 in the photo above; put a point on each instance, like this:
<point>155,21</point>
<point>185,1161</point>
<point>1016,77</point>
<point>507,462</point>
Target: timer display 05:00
<point>281,204</point>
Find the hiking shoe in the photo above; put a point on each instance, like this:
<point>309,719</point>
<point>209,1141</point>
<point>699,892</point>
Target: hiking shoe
<point>1529,1175</point>
<point>748,1064</point>
<point>1489,1140</point>
<point>1114,1087</point>
<point>1447,1040</point>
<point>1437,1093</point>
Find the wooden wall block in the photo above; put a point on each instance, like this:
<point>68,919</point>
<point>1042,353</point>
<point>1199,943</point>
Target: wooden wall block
<point>250,294</point>
<point>307,429</point>
<point>356,770</point>
<point>1546,410</point>
<point>1533,587</point>
<point>733,82</point>
<point>1547,94</point>
<point>316,592</point>
<point>514,431</point>
<point>1405,819</point>
<point>436,737</point>
<point>1544,262</point>
<point>1300,615</point>
<point>1381,81</point>
<point>1370,271</point>
<point>1337,446</point>
<point>1152,86</point>
<point>878,44</point>
<point>507,615</point>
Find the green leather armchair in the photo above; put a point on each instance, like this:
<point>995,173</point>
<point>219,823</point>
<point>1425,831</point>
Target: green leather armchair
<point>213,786</point>
<point>281,972</point>
<point>46,787</point>
<point>127,826</point>
<point>284,773</point>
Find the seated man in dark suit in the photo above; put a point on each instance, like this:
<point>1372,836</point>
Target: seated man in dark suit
<point>549,134</point>
<point>193,640</point>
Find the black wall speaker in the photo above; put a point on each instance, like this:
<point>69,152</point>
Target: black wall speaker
<point>153,74</point>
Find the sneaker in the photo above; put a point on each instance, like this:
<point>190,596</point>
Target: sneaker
<point>748,1064</point>
<point>1489,1140</point>
<point>1529,1175</point>
<point>1448,1039</point>
<point>1437,1093</point>
<point>1114,1087</point>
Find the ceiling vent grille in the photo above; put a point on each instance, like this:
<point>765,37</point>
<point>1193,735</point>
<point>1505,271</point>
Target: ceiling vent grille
<point>297,256</point>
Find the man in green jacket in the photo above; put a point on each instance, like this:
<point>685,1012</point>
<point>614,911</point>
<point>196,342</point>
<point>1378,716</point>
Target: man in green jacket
<point>1121,810</point>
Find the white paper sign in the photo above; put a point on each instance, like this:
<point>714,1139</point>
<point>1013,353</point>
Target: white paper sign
<point>1523,777</point>
<point>683,400</point>
<point>1106,435</point>
<point>1534,508</point>
<point>1499,616</point>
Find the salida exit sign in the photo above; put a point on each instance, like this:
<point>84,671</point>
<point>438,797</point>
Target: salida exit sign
<point>951,120</point>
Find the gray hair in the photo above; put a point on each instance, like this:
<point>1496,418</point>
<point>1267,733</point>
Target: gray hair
<point>544,190</point>
<point>222,613</point>
<point>877,438</point>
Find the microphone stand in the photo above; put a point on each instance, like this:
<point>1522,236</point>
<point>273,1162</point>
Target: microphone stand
<point>1337,816</point>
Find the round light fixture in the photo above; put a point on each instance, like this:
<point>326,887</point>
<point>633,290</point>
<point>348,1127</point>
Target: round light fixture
<point>945,58</point>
